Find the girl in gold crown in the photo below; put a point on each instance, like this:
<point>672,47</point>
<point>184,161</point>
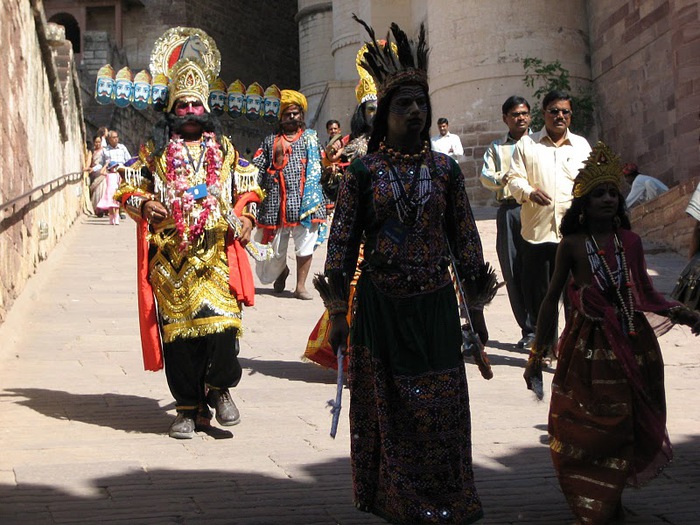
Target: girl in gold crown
<point>607,419</point>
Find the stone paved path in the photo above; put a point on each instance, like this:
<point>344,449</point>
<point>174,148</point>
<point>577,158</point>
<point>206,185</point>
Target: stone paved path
<point>83,427</point>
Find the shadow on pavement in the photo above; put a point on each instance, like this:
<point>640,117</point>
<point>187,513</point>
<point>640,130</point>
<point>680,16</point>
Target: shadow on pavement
<point>306,372</point>
<point>518,488</point>
<point>145,415</point>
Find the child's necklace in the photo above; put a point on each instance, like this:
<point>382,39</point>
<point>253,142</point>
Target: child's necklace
<point>627,306</point>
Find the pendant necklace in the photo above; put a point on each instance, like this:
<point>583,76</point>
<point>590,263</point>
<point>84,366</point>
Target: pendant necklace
<point>626,304</point>
<point>409,204</point>
<point>203,150</point>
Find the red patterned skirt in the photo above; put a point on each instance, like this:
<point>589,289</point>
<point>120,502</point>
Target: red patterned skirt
<point>605,434</point>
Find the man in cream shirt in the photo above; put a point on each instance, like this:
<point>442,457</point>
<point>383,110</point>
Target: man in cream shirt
<point>541,177</point>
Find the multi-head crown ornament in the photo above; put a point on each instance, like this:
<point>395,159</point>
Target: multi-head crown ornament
<point>272,92</point>
<point>237,87</point>
<point>142,76</point>
<point>255,89</point>
<point>189,78</point>
<point>125,74</point>
<point>104,85</point>
<point>601,166</point>
<point>217,85</point>
<point>160,79</point>
<point>106,71</point>
<point>403,61</point>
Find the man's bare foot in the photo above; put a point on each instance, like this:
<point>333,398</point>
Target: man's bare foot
<point>303,295</point>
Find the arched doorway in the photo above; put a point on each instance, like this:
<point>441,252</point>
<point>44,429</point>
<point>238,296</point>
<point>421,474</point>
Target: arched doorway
<point>72,29</point>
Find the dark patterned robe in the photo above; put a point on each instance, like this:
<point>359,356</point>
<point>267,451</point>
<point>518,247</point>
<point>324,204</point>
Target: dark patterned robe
<point>409,411</point>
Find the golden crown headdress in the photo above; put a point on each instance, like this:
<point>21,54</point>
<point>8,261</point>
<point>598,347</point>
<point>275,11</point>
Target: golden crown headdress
<point>142,76</point>
<point>160,80</point>
<point>255,89</point>
<point>601,166</point>
<point>125,74</point>
<point>106,71</point>
<point>179,43</point>
<point>403,61</point>
<point>189,78</point>
<point>366,89</point>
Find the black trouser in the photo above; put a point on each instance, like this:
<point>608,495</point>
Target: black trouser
<point>509,247</point>
<point>538,267</point>
<point>190,364</point>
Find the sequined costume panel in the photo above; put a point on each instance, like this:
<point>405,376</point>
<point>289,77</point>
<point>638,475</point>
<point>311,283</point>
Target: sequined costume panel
<point>192,286</point>
<point>409,410</point>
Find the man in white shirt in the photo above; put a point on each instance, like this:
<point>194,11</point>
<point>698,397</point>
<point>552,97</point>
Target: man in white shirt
<point>446,142</point>
<point>644,188</point>
<point>541,177</point>
<point>115,151</point>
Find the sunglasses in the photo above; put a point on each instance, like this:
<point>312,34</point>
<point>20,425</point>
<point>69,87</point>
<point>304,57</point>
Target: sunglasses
<point>555,112</point>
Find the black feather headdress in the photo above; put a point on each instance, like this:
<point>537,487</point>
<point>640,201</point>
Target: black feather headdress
<point>401,61</point>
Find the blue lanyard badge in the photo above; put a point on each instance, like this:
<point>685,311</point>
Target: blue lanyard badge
<point>198,192</point>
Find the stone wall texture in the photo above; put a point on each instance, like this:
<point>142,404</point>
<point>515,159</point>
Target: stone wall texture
<point>41,137</point>
<point>663,220</point>
<point>645,62</point>
<point>641,59</point>
<point>258,41</point>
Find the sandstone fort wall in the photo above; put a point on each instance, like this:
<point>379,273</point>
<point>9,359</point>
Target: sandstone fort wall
<point>41,140</point>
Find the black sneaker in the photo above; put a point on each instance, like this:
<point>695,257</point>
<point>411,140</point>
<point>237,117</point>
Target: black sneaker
<point>227,413</point>
<point>182,427</point>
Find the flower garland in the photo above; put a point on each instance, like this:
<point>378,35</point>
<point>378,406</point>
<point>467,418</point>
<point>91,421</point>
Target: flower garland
<point>189,214</point>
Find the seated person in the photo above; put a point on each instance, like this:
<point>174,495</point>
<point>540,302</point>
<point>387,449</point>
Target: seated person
<point>644,187</point>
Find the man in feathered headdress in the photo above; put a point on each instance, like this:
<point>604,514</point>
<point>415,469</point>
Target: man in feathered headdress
<point>194,201</point>
<point>409,408</point>
<point>290,165</point>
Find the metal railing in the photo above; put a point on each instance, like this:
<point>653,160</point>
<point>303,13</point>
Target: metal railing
<point>39,193</point>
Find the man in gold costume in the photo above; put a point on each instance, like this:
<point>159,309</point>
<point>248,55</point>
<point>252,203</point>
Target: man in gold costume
<point>194,200</point>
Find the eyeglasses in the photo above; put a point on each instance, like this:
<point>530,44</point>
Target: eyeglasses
<point>555,112</point>
<point>517,114</point>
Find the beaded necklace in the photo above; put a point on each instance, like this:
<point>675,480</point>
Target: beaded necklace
<point>397,156</point>
<point>626,304</point>
<point>409,204</point>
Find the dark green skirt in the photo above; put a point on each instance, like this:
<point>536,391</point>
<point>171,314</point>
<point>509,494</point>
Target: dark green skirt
<point>409,335</point>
